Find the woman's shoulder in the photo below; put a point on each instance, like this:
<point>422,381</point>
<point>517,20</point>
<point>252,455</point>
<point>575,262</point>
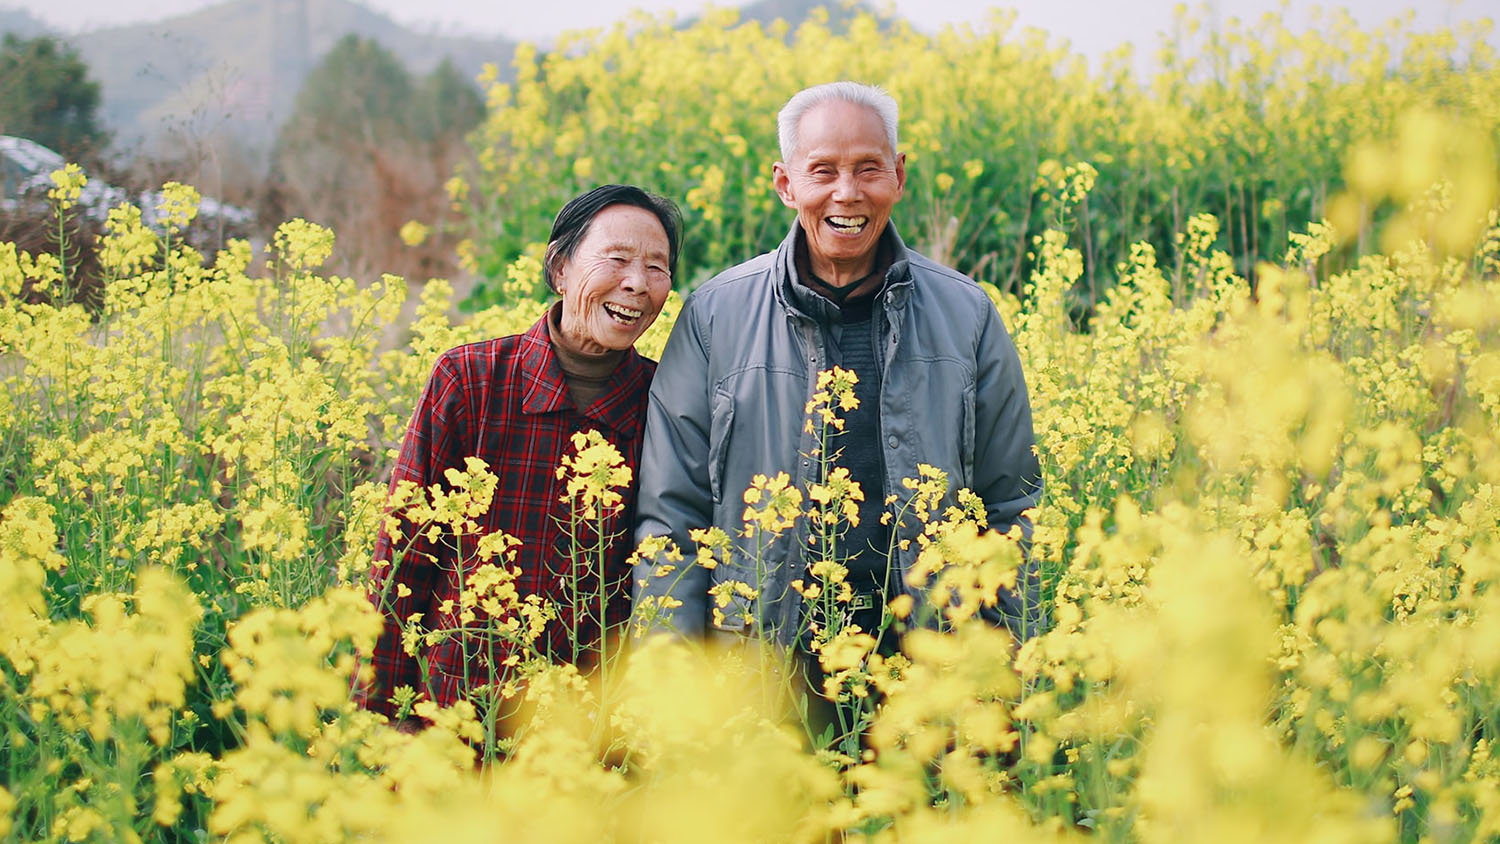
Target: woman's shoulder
<point>482,366</point>
<point>486,355</point>
<point>479,354</point>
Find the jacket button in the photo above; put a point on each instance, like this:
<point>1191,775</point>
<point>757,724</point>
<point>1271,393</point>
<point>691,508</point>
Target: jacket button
<point>891,440</point>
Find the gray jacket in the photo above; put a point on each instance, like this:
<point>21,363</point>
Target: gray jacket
<point>728,402</point>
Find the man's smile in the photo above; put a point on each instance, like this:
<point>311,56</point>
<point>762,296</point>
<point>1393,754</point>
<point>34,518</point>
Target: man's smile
<point>848,225</point>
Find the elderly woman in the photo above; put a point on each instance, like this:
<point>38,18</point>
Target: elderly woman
<point>515,402</point>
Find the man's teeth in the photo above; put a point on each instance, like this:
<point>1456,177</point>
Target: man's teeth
<point>622,312</point>
<point>848,222</point>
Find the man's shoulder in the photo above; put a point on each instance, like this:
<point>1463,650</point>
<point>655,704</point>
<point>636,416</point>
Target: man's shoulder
<point>746,278</point>
<point>927,271</point>
<point>944,296</point>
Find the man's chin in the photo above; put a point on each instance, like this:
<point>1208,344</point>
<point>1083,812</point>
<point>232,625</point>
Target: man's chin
<point>844,250</point>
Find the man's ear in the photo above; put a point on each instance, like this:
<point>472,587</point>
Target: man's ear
<point>900,174</point>
<point>782,181</point>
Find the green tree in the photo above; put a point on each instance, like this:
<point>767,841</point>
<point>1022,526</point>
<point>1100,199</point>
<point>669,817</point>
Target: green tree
<point>368,147</point>
<point>46,95</point>
<point>447,105</point>
<point>357,95</point>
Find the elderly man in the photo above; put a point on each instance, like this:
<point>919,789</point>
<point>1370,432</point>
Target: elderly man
<point>939,383</point>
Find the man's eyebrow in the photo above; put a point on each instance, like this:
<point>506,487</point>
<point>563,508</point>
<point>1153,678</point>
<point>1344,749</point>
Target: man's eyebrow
<point>825,158</point>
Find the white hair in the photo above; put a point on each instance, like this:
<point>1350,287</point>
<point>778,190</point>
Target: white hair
<point>870,96</point>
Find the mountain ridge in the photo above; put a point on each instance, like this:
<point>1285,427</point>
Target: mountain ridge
<point>233,69</point>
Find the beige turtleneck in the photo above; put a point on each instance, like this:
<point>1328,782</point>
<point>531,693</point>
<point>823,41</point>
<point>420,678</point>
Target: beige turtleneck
<point>586,374</point>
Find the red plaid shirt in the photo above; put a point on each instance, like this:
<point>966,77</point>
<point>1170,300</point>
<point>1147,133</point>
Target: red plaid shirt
<point>506,402</point>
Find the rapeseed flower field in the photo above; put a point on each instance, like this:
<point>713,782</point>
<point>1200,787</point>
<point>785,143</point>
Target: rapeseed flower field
<point>1269,537</point>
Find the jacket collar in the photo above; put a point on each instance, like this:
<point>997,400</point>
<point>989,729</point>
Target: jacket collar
<point>546,386</point>
<point>803,302</point>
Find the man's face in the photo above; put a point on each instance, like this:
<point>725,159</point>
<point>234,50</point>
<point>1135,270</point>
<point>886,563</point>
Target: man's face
<point>843,180</point>
<point>617,280</point>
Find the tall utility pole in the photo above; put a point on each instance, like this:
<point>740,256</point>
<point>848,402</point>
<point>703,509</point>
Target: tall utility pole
<point>290,55</point>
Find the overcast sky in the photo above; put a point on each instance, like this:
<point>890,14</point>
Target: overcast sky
<point>1093,26</point>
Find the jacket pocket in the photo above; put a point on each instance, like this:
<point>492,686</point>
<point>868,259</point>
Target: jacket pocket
<point>966,440</point>
<point>721,420</point>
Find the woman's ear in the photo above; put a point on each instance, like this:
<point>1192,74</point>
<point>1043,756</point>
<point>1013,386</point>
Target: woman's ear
<point>555,264</point>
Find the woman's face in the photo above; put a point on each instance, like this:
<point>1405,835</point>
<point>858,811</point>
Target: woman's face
<point>617,280</point>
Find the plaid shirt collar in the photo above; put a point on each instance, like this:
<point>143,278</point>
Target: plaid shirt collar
<point>547,386</point>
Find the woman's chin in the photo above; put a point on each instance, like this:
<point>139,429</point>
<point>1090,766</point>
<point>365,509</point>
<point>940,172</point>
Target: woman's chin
<point>614,341</point>
<point>621,337</point>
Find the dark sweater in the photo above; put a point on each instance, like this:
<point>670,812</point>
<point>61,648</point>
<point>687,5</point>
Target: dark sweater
<point>859,449</point>
<point>855,347</point>
<point>587,374</point>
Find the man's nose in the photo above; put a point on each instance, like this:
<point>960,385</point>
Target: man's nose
<point>846,186</point>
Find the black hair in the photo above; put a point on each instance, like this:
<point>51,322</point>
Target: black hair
<point>573,221</point>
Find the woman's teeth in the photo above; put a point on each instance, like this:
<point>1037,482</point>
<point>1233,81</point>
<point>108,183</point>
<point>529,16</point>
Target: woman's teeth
<point>622,313</point>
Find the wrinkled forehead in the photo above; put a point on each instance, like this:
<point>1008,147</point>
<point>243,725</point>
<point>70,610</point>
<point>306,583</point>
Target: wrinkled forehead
<point>623,226</point>
<point>842,129</point>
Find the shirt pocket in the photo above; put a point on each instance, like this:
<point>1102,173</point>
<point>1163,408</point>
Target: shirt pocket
<point>721,422</point>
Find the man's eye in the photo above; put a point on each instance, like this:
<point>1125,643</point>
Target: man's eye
<point>618,259</point>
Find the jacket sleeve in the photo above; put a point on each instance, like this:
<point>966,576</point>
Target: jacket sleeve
<point>675,496</point>
<point>408,571</point>
<point>1007,473</point>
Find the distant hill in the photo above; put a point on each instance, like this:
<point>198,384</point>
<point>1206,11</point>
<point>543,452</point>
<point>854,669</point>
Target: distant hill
<point>235,68</point>
<point>795,12</point>
<point>21,23</point>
